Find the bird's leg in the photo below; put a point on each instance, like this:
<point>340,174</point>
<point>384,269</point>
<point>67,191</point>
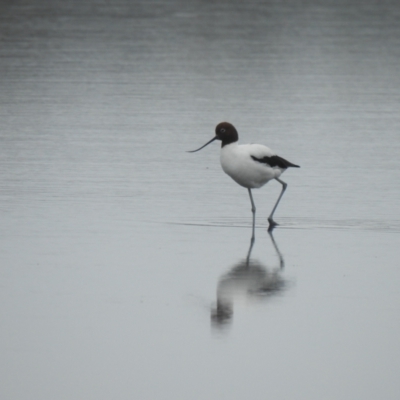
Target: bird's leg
<point>271,221</point>
<point>253,210</point>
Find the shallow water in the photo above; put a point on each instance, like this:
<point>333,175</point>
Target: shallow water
<point>117,246</point>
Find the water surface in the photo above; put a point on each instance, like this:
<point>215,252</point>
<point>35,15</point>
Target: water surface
<point>117,246</point>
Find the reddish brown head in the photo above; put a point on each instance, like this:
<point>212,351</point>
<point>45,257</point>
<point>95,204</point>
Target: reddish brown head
<point>225,132</point>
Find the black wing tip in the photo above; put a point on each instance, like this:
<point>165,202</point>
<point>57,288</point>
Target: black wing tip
<point>275,161</point>
<point>281,162</point>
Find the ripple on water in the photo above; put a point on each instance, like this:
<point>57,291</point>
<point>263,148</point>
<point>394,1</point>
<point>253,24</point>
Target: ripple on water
<point>392,226</point>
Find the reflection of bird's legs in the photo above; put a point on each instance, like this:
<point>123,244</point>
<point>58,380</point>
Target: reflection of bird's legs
<point>281,260</point>
<point>252,240</point>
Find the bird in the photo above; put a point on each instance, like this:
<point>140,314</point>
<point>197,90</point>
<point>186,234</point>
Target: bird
<point>249,165</point>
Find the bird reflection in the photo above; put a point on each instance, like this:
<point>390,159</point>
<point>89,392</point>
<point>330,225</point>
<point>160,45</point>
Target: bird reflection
<point>250,279</point>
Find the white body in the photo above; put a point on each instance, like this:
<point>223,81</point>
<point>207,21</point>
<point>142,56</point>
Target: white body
<point>236,161</point>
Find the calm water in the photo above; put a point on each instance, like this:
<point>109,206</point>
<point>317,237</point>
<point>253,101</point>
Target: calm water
<point>124,260</point>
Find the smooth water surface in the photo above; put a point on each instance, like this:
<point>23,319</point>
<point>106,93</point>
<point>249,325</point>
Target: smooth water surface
<point>125,270</point>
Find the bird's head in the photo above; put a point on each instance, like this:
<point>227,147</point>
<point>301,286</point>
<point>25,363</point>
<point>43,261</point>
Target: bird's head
<point>225,132</point>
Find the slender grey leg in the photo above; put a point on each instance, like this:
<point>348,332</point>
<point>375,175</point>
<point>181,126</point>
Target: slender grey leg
<point>271,221</point>
<point>253,210</point>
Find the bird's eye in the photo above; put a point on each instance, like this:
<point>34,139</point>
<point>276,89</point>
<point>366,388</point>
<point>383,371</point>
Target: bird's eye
<point>222,130</point>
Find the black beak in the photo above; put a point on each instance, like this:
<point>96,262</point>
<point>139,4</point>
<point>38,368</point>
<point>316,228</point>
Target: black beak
<point>214,138</point>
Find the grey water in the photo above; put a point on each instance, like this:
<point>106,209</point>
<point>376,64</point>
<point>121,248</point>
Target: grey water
<point>125,269</point>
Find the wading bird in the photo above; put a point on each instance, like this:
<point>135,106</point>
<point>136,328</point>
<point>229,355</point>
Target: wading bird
<point>249,165</point>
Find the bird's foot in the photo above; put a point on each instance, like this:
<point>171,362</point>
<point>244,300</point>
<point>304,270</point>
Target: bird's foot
<point>272,224</point>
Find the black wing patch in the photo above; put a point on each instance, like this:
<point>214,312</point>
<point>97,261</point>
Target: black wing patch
<point>275,161</point>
